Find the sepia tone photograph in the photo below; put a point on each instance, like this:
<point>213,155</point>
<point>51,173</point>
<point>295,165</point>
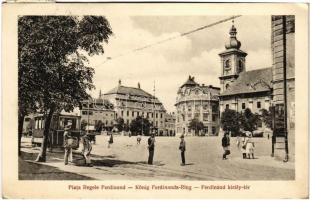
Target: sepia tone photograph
<point>94,102</point>
<point>156,97</point>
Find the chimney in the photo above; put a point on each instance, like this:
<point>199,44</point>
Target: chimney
<point>138,85</point>
<point>119,82</point>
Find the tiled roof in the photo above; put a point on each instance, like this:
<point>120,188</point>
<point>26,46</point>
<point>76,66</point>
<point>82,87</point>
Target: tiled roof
<point>250,82</point>
<point>129,90</point>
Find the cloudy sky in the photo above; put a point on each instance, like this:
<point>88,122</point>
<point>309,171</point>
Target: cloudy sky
<point>169,64</point>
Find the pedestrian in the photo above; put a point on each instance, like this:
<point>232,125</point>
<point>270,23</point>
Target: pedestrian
<point>250,147</point>
<point>243,146</point>
<point>226,145</point>
<point>268,136</point>
<point>138,139</point>
<point>68,144</point>
<point>110,140</point>
<point>87,147</point>
<point>238,142</point>
<point>151,147</point>
<point>182,148</point>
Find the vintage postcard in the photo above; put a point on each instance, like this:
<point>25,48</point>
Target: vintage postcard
<point>155,100</point>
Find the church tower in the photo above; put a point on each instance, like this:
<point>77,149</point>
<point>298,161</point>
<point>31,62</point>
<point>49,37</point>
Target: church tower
<point>232,60</point>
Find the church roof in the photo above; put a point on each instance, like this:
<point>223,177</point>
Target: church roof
<point>251,82</point>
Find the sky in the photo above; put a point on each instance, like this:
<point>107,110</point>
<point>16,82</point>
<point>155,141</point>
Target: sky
<point>169,64</point>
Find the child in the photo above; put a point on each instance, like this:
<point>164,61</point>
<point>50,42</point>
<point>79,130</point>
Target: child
<point>138,139</point>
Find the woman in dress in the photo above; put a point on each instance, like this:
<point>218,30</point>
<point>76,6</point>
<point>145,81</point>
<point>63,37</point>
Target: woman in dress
<point>250,147</point>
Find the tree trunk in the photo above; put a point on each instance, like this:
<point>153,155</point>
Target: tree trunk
<point>20,131</point>
<point>42,155</point>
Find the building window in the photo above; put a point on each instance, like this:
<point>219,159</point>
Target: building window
<point>189,115</point>
<point>258,104</point>
<point>240,67</point>
<point>213,130</point>
<point>161,115</point>
<point>127,121</point>
<point>156,115</point>
<point>243,105</point>
<point>127,113</point>
<point>138,113</point>
<point>205,116</point>
<point>133,113</point>
<point>227,106</point>
<point>197,107</point>
<point>122,113</point>
<point>197,115</point>
<point>226,86</point>
<point>189,108</point>
<point>213,118</point>
<point>214,108</point>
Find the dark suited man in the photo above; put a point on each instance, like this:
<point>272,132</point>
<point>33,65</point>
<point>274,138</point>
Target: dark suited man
<point>151,147</point>
<point>182,149</point>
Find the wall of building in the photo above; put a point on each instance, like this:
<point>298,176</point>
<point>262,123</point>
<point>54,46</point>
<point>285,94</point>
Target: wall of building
<point>279,47</point>
<point>129,108</point>
<point>239,103</point>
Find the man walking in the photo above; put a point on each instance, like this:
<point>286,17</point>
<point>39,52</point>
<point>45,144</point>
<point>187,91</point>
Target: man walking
<point>182,149</point>
<point>151,147</point>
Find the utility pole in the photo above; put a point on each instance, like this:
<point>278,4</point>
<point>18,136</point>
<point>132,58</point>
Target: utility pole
<point>88,116</point>
<point>284,88</point>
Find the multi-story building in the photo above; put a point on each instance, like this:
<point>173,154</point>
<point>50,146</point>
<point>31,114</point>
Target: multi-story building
<point>95,110</point>
<point>130,102</point>
<point>241,89</point>
<point>170,124</point>
<point>200,102</point>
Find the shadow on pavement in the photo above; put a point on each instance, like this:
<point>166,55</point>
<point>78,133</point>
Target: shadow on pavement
<point>29,170</point>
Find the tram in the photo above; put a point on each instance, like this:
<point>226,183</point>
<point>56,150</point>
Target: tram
<point>58,122</point>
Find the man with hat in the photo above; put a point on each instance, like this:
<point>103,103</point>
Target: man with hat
<point>151,147</point>
<point>67,146</point>
<point>87,147</point>
<point>182,149</point>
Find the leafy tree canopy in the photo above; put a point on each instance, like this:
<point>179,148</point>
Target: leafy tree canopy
<point>196,125</point>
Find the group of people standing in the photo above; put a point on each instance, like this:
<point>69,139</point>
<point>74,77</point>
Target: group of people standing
<point>245,145</point>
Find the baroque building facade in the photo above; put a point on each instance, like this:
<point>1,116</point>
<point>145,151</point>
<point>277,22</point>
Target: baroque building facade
<point>200,102</point>
<point>241,89</point>
<point>130,102</point>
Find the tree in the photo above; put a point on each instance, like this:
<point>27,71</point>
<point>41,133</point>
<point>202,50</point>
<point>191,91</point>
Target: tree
<point>119,124</point>
<point>52,64</point>
<point>196,125</point>
<point>140,125</point>
<point>249,120</point>
<point>230,121</point>
<point>266,117</point>
<point>99,126</point>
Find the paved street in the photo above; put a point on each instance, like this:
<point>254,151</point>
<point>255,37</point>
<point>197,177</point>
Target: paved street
<point>127,160</point>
